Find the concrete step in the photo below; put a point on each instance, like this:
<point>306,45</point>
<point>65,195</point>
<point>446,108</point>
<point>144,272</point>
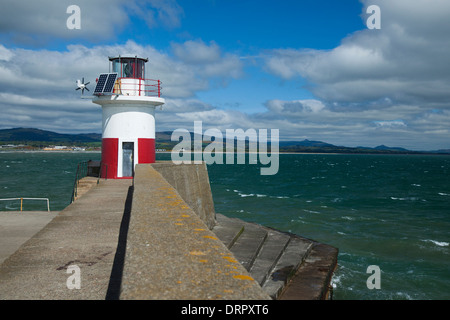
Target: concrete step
<point>84,185</point>
<point>248,245</point>
<point>228,230</point>
<point>272,257</point>
<point>313,277</point>
<point>269,255</point>
<point>293,256</point>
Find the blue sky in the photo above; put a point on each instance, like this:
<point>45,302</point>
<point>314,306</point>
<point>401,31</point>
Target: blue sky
<point>312,69</point>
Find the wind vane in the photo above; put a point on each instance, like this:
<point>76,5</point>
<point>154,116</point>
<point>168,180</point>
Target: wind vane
<point>81,85</point>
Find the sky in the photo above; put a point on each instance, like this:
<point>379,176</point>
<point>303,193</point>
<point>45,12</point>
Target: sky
<point>314,70</point>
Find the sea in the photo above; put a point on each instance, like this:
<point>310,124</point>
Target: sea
<point>387,211</point>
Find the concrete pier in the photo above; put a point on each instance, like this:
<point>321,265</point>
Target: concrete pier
<point>16,227</point>
<point>158,237</point>
<point>85,234</point>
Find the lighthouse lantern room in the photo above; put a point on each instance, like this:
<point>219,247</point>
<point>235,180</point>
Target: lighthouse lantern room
<point>128,100</point>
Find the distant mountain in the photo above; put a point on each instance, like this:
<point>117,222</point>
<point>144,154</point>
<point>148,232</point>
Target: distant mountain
<point>305,143</point>
<point>442,151</point>
<point>164,136</point>
<point>32,136</point>
<point>323,147</point>
<point>383,147</point>
<point>24,135</point>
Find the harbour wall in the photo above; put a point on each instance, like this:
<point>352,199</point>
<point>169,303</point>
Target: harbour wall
<point>192,184</point>
<point>171,253</point>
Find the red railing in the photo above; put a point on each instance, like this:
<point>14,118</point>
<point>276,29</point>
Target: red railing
<point>138,87</point>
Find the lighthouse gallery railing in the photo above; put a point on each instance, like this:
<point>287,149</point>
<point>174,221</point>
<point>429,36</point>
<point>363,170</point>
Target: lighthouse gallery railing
<point>138,87</point>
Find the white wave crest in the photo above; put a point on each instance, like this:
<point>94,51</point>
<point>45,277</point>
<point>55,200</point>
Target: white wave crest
<point>438,243</point>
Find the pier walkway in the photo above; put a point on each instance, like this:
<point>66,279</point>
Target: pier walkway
<point>16,227</point>
<point>85,234</point>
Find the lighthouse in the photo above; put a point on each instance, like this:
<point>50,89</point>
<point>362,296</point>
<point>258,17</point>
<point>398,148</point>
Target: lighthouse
<point>128,100</point>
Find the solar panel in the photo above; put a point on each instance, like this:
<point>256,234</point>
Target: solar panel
<point>101,83</point>
<point>110,83</point>
<point>105,83</point>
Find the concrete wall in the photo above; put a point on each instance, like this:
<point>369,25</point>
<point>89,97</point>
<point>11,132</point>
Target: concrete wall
<point>171,254</point>
<point>192,183</point>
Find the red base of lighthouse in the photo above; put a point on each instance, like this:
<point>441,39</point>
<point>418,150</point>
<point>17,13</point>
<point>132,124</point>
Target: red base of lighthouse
<point>110,155</point>
<point>146,149</point>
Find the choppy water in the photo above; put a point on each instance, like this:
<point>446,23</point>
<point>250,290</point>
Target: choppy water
<point>384,210</point>
<point>39,175</point>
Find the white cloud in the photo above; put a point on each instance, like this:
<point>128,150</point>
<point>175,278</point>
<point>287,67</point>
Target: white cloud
<point>406,60</point>
<point>296,107</point>
<point>5,54</point>
<point>154,12</point>
<point>197,52</point>
<point>391,124</point>
<point>394,125</point>
<point>38,22</point>
<point>35,22</point>
<point>185,105</point>
<point>377,85</point>
<point>38,86</point>
<point>208,60</point>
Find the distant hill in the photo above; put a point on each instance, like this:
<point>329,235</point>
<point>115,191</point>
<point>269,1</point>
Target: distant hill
<point>306,143</point>
<point>25,135</point>
<point>386,148</point>
<point>442,151</point>
<point>309,146</point>
<point>163,136</point>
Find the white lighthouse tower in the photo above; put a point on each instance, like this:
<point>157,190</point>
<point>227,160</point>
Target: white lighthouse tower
<point>128,101</point>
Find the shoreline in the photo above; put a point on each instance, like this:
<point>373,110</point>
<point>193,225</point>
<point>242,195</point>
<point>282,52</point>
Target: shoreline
<point>47,151</point>
<point>418,153</point>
